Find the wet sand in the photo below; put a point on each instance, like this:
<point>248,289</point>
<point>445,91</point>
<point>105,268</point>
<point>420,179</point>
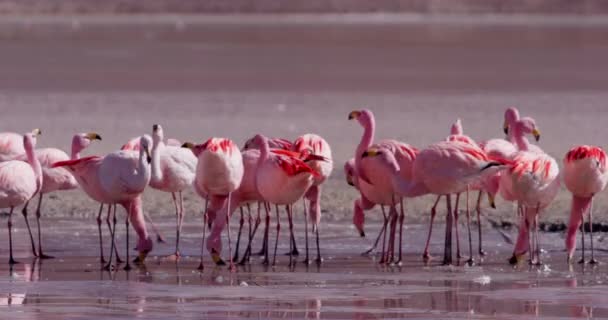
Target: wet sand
<point>234,77</point>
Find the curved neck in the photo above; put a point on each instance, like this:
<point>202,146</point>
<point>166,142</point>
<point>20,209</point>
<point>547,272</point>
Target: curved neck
<point>157,173</point>
<point>264,151</point>
<point>75,151</point>
<point>367,139</point>
<point>520,140</point>
<point>35,164</point>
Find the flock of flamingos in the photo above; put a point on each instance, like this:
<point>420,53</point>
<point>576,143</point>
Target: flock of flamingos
<point>275,172</point>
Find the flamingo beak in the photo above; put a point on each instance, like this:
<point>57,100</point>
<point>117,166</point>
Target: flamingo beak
<point>215,256</point>
<point>154,127</point>
<point>505,128</point>
<point>141,257</point>
<point>516,259</point>
<point>536,134</point>
<point>491,201</point>
<point>349,180</point>
<point>93,136</point>
<point>362,233</point>
<point>188,145</point>
<point>36,132</point>
<point>148,157</point>
<point>370,153</point>
<point>354,115</point>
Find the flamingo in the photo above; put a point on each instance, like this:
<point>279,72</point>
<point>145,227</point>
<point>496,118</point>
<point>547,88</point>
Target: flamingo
<point>54,179</point>
<point>443,168</point>
<point>118,178</point>
<point>373,180</point>
<point>585,175</point>
<point>219,173</point>
<point>318,146</point>
<point>533,181</point>
<point>19,182</point>
<point>282,179</point>
<point>273,143</point>
<point>173,170</point>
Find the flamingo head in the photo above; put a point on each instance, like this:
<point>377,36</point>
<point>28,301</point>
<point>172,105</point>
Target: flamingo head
<point>29,139</point>
<point>145,143</point>
<point>249,144</point>
<point>527,125</point>
<point>195,148</point>
<point>359,219</point>
<point>349,171</point>
<point>260,140</point>
<point>81,141</point>
<point>456,127</point>
<point>144,246</point>
<point>387,157</point>
<point>364,116</point>
<point>511,116</point>
<point>157,133</point>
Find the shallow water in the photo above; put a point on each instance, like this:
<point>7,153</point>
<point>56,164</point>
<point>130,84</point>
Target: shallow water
<point>346,286</point>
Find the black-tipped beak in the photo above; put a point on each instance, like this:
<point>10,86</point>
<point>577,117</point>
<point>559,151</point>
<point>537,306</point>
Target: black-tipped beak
<point>536,134</point>
<point>350,183</point>
<point>154,127</point>
<point>365,154</point>
<point>362,234</point>
<point>506,129</point>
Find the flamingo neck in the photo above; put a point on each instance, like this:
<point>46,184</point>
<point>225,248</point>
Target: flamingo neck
<point>136,216</point>
<point>143,170</point>
<point>520,140</point>
<point>580,206</point>
<point>35,164</point>
<point>369,128</point>
<point>264,152</point>
<point>157,173</point>
<point>76,149</point>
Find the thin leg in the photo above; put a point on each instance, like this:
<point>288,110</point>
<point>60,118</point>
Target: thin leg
<point>531,240</point>
<point>101,255</point>
<point>456,224</point>
<point>470,261</point>
<point>11,260</point>
<point>276,242</point>
<point>319,259</point>
<point>536,236</point>
<point>159,236</point>
<point>592,261</point>
<point>128,266</point>
<point>380,234</point>
<point>109,223</point>
<point>290,219</point>
<point>478,209</point>
<point>177,226</point>
<point>307,259</point>
<point>401,219</point>
<point>447,253</point>
<point>266,234</point>
<point>27,223</point>
<point>231,262</point>
<point>426,255</point>
<point>247,256</point>
<point>113,233</point>
<point>238,238</point>
<point>393,216</point>
<point>38,215</point>
<point>583,261</point>
<point>384,258</point>
<point>201,266</point>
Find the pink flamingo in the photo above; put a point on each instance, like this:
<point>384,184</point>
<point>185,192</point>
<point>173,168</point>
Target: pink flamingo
<point>273,143</point>
<point>318,146</point>
<point>173,169</point>
<point>585,175</point>
<point>11,146</point>
<point>54,179</point>
<point>533,181</point>
<point>511,118</point>
<point>19,182</point>
<point>443,168</point>
<point>219,173</point>
<point>118,178</point>
<point>374,180</point>
<point>282,179</point>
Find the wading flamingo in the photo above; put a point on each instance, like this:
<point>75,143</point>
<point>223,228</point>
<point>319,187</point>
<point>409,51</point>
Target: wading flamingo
<point>533,181</point>
<point>219,172</point>
<point>19,182</point>
<point>318,146</point>
<point>443,168</point>
<point>173,170</point>
<point>585,175</point>
<point>374,182</point>
<point>54,179</point>
<point>118,178</point>
<point>282,179</point>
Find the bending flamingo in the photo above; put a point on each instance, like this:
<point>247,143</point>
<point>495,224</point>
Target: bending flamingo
<point>19,182</point>
<point>585,175</point>
<point>173,170</point>
<point>54,179</point>
<point>374,182</point>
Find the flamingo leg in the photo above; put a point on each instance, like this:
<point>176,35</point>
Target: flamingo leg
<point>11,260</point>
<point>456,224</point>
<point>238,238</point>
<point>478,209</point>
<point>290,219</point>
<point>592,261</point>
<point>264,250</point>
<point>27,223</point>
<point>426,256</point>
<point>177,226</point>
<point>401,219</point>
<point>109,223</point>
<point>101,256</point>
<point>391,242</point>
<point>307,259</point>
<point>159,236</point>
<point>470,261</point>
<point>231,262</point>
<point>38,215</point>
<point>536,236</point>
<point>383,258</point>
<point>369,251</point>
<point>276,242</point>
<point>113,233</point>
<point>447,252</point>
<point>319,259</point>
<point>583,261</point>
<point>247,256</point>
<point>128,265</point>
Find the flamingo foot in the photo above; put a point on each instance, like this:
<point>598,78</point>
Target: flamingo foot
<point>368,252</point>
<point>266,262</point>
<point>160,239</point>
<point>12,261</point>
<point>426,257</point>
<point>594,262</point>
<point>201,267</point>
<point>482,253</point>
<point>127,267</point>
<point>44,256</point>
<point>470,262</point>
<point>294,252</point>
<point>174,257</point>
<point>319,261</point>
<point>307,261</point>
<point>108,267</point>
<point>582,261</point>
